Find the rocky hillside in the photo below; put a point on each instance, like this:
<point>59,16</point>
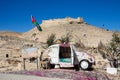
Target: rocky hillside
<point>11,43</point>
<point>88,34</point>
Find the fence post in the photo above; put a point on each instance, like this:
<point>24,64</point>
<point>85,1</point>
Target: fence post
<point>37,63</point>
<point>24,63</point>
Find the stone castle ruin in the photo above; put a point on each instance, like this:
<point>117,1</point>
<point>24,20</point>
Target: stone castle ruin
<point>66,20</point>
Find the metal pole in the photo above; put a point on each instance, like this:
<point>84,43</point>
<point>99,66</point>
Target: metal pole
<point>24,63</point>
<point>37,63</point>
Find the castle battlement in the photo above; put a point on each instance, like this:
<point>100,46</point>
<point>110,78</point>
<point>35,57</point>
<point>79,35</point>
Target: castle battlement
<point>67,20</point>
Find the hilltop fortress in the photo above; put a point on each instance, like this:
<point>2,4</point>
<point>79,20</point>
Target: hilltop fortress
<point>67,20</point>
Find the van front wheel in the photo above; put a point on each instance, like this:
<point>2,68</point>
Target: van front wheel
<point>84,64</point>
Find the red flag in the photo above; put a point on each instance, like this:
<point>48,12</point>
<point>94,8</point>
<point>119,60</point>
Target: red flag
<point>33,19</point>
<point>36,23</point>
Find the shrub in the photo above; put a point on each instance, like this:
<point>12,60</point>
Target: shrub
<point>51,39</point>
<point>111,51</point>
<point>66,39</point>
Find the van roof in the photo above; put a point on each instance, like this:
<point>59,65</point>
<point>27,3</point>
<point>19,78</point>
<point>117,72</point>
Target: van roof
<point>65,45</point>
<point>61,45</point>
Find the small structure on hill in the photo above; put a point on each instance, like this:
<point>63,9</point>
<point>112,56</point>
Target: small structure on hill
<point>80,20</point>
<point>9,53</point>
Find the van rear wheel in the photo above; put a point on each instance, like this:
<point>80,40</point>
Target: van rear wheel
<point>84,64</point>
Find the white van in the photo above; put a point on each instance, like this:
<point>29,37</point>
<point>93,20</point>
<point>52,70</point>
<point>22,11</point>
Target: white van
<point>66,55</point>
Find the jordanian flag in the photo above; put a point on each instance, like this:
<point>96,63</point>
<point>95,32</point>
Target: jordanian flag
<point>36,23</point>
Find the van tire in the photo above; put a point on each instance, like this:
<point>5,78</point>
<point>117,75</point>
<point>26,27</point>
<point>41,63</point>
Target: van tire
<point>52,66</point>
<point>85,64</point>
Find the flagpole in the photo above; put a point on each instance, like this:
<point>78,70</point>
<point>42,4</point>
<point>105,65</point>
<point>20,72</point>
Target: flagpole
<point>32,24</point>
<point>35,44</point>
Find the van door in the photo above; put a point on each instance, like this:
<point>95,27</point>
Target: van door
<point>72,54</point>
<point>65,53</point>
<point>55,54</point>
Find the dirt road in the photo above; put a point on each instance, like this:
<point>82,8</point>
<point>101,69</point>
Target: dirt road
<point>62,74</point>
<point>24,77</point>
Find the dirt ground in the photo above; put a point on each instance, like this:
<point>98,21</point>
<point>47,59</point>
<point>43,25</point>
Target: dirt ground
<point>68,74</point>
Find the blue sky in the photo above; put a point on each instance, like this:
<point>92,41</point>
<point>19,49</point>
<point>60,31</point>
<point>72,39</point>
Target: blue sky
<point>15,14</point>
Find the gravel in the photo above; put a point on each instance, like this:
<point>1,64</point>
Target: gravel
<point>4,76</point>
<point>61,75</point>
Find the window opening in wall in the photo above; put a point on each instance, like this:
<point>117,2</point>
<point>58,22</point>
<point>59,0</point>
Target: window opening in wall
<point>7,55</point>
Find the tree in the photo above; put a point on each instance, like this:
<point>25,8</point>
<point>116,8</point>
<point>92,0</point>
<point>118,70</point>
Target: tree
<point>79,45</point>
<point>111,51</point>
<point>50,40</point>
<point>66,39</point>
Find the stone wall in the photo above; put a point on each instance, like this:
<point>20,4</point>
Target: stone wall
<point>48,23</point>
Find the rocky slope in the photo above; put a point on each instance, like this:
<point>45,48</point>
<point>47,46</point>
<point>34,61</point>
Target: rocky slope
<point>89,35</point>
<point>12,42</point>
